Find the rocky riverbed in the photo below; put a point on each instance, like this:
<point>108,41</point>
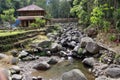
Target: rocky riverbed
<point>60,52</point>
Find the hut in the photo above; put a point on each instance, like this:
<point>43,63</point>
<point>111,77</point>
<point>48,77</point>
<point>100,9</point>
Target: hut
<point>28,14</point>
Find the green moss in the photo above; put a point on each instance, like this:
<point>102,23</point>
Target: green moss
<point>42,53</point>
<point>80,50</point>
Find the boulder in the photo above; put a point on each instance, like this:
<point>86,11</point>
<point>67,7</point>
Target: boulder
<point>84,41</point>
<point>63,42</point>
<point>102,78</point>
<point>2,55</point>
<point>14,61</point>
<point>63,53</point>
<point>37,78</point>
<point>44,44</point>
<point>113,72</point>
<point>17,77</point>
<point>23,54</point>
<point>15,70</point>
<point>92,47</point>
<point>52,61</point>
<point>89,61</point>
<point>74,74</point>
<point>76,48</point>
<point>56,47</point>
<point>42,66</point>
<point>14,53</point>
<point>28,58</point>
<point>92,32</point>
<point>72,44</point>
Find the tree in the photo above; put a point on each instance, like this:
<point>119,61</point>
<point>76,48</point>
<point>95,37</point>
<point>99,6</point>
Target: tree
<point>8,15</point>
<point>81,9</point>
<point>64,11</point>
<point>54,8</point>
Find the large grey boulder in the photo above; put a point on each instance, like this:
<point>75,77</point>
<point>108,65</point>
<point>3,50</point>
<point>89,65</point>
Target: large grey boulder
<point>2,55</point>
<point>17,77</point>
<point>84,41</point>
<point>42,66</point>
<point>15,70</point>
<point>92,47</point>
<point>74,74</point>
<point>89,61</point>
<point>113,72</point>
<point>44,44</point>
<point>52,61</point>
<point>14,53</point>
<point>56,47</point>
<point>102,78</point>
<point>14,61</point>
<point>23,54</point>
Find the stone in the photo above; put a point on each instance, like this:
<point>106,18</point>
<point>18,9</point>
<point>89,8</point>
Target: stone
<point>63,53</point>
<point>14,53</point>
<point>92,47</point>
<point>48,53</point>
<point>17,77</point>
<point>113,72</point>
<point>14,61</point>
<point>76,48</point>
<point>63,42</point>
<point>52,61</point>
<point>72,44</point>
<point>92,32</point>
<point>89,61</point>
<point>34,78</point>
<point>56,47</point>
<point>44,44</point>
<point>102,78</point>
<point>84,41</point>
<point>15,70</point>
<point>28,58</point>
<point>23,54</point>
<point>74,74</point>
<point>39,78</point>
<point>2,55</point>
<point>42,66</point>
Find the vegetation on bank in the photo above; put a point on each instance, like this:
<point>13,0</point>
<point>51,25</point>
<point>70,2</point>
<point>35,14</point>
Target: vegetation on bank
<point>10,33</point>
<point>103,15</point>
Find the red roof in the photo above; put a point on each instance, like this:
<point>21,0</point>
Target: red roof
<point>31,8</point>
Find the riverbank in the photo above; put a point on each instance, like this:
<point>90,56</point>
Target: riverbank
<point>61,49</point>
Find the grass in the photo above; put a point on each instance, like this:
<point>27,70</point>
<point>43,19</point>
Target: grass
<point>9,33</point>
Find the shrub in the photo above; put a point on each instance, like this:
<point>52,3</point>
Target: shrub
<point>112,37</point>
<point>38,23</point>
<point>8,15</point>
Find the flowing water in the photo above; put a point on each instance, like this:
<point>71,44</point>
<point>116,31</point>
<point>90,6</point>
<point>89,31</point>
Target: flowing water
<point>57,70</point>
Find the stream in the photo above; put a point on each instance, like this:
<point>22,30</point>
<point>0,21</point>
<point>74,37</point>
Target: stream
<point>57,70</point>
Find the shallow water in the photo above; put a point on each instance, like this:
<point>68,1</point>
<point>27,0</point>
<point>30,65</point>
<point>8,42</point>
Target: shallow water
<point>57,70</point>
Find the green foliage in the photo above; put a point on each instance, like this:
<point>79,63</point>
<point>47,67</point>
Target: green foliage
<point>80,50</point>
<point>42,53</point>
<point>112,37</point>
<point>81,9</point>
<point>96,17</point>
<point>8,15</point>
<point>38,23</point>
<point>116,15</point>
<point>33,25</point>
